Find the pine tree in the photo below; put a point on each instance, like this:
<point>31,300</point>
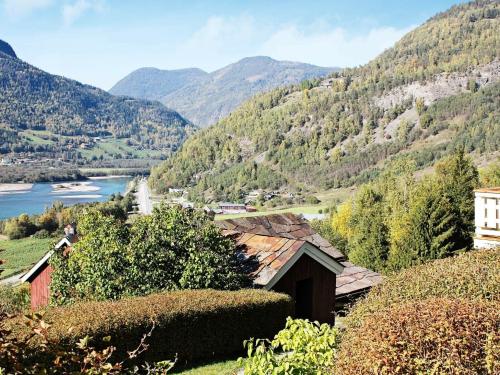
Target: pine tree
<point>460,177</point>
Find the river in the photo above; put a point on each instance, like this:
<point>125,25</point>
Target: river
<point>42,195</point>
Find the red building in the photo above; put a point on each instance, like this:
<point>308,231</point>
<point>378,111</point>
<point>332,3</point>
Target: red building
<point>39,276</point>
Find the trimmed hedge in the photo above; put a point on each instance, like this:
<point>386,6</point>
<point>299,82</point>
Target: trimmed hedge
<point>192,324</point>
<point>474,275</point>
<point>435,336</point>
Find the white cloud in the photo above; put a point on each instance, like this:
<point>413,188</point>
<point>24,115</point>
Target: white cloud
<point>222,40</point>
<point>71,12</point>
<point>18,8</point>
<point>330,47</point>
<point>219,41</point>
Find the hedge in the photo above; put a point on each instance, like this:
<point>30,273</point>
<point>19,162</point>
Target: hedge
<point>189,324</point>
<point>474,275</point>
<point>434,336</point>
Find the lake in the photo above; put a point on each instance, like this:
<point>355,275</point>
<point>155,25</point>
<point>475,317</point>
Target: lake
<point>42,195</point>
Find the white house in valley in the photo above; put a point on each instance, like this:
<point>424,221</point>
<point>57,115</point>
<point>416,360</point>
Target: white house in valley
<point>487,218</point>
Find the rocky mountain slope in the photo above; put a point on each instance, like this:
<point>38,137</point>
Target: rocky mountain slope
<point>47,115</point>
<point>437,88</point>
<point>204,98</point>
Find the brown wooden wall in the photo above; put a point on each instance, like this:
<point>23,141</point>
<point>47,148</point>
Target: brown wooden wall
<point>40,288</point>
<point>323,280</point>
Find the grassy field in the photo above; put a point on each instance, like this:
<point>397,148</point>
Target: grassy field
<point>228,367</point>
<point>20,255</point>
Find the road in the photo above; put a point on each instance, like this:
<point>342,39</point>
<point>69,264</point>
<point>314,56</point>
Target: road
<point>144,198</point>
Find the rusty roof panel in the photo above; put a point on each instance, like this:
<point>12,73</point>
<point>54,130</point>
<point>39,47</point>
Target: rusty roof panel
<point>270,241</point>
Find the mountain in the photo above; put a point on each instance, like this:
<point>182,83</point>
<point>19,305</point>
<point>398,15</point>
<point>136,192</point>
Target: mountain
<point>437,88</point>
<point>155,84</point>
<point>205,98</point>
<point>44,115</point>
<point>6,49</point>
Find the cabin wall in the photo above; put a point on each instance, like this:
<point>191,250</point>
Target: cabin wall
<point>323,287</point>
<point>40,288</point>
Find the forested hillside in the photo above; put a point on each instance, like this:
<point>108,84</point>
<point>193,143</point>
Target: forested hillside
<point>50,115</point>
<point>435,89</point>
<point>204,98</point>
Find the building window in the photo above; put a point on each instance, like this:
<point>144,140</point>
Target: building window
<point>485,212</point>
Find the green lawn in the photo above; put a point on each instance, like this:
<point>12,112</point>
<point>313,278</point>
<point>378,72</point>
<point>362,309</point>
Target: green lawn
<point>20,255</point>
<point>228,367</point>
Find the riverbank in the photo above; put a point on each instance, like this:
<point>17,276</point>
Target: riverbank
<point>15,187</point>
<point>43,195</point>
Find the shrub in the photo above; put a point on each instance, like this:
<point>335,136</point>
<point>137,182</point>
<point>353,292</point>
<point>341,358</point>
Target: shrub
<point>192,324</point>
<point>303,347</point>
<point>18,356</point>
<point>474,275</point>
<point>14,300</point>
<point>174,248</point>
<point>42,233</point>
<point>438,336</point>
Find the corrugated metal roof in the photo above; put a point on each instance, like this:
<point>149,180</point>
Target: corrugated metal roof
<point>273,239</point>
<point>285,225</point>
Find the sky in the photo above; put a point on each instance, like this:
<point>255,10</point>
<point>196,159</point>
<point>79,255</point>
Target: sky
<point>98,42</point>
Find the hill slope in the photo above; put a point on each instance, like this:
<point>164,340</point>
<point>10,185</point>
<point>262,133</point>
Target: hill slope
<point>45,114</point>
<point>205,98</point>
<point>419,98</point>
<point>155,84</point>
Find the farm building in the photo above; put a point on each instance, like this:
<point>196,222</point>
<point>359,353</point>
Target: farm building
<point>39,276</point>
<point>283,253</point>
<point>487,217</point>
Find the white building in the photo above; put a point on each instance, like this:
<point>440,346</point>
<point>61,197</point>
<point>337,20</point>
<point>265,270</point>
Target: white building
<point>487,218</point>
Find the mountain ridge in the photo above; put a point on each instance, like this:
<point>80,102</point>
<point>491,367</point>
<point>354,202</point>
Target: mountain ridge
<point>206,98</point>
<point>42,114</point>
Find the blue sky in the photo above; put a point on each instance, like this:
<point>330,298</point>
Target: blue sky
<point>100,41</point>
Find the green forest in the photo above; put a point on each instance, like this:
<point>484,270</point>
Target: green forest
<point>309,137</point>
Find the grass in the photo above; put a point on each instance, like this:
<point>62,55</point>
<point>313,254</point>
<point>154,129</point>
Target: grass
<point>20,255</point>
<point>228,367</point>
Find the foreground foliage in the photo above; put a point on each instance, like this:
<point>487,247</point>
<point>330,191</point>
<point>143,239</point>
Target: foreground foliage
<point>474,275</point>
<point>50,356</point>
<point>190,325</point>
<point>303,347</point>
<point>171,249</point>
<point>433,336</point>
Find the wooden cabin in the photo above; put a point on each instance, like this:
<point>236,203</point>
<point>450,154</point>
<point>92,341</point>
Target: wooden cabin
<point>283,253</point>
<point>39,276</point>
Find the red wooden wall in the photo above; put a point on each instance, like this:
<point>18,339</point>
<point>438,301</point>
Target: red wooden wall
<point>40,288</point>
<point>323,280</point>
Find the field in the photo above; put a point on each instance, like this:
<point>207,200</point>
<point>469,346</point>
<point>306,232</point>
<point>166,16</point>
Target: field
<point>20,255</point>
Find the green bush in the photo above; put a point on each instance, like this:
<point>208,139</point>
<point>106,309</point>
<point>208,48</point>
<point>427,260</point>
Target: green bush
<point>303,347</point>
<point>474,275</point>
<point>172,249</point>
<point>434,336</point>
<point>192,324</point>
<point>14,300</point>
